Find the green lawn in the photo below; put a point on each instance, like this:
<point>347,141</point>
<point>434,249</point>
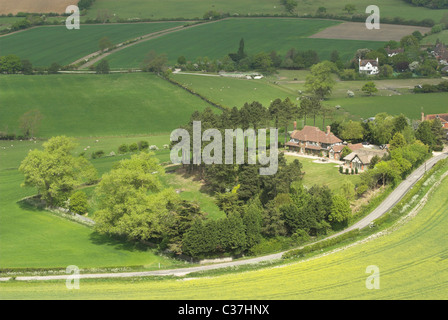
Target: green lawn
<point>96,105</point>
<point>411,263</point>
<point>323,173</point>
<point>196,8</point>
<point>45,45</point>
<point>216,40</point>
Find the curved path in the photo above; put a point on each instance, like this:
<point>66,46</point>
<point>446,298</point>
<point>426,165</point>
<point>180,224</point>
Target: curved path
<point>384,207</point>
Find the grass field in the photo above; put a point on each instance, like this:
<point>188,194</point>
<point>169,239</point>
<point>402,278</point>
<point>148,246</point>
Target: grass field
<point>96,105</point>
<point>45,45</point>
<point>218,39</point>
<point>233,92</point>
<point>431,39</point>
<point>411,105</point>
<point>31,238</point>
<point>411,263</point>
<point>175,8</point>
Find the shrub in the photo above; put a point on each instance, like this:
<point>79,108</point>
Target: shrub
<point>97,154</point>
<point>341,170</point>
<point>78,202</point>
<point>133,147</point>
<point>143,145</point>
<point>347,171</point>
<point>123,149</point>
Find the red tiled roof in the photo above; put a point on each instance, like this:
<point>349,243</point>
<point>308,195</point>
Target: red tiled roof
<point>314,134</point>
<point>442,116</point>
<point>352,147</point>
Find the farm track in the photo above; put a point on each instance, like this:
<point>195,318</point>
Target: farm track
<point>383,208</point>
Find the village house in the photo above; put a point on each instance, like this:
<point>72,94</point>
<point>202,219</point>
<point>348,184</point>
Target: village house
<point>369,66</point>
<point>393,52</point>
<point>361,158</point>
<point>336,151</point>
<point>440,52</point>
<point>313,141</point>
<point>443,117</point>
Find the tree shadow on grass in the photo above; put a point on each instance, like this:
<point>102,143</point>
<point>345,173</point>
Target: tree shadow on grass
<point>118,243</point>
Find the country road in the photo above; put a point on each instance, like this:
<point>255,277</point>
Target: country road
<point>384,207</point>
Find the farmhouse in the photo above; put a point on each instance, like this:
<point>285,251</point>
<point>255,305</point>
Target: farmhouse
<point>368,66</point>
<point>313,141</point>
<point>361,158</point>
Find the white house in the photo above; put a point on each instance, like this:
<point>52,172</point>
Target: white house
<point>368,66</point>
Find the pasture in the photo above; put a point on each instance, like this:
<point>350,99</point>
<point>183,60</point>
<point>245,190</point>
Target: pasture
<point>410,262</point>
<point>33,238</point>
<point>48,44</point>
<point>432,39</point>
<point>96,105</point>
<point>410,105</point>
<point>174,8</point>
<point>216,40</point>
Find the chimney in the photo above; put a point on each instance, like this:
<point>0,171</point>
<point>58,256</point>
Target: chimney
<point>328,130</point>
<point>423,117</point>
<point>295,125</point>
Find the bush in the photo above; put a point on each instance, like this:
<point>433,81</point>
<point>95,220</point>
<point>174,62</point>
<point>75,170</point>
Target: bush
<point>123,149</point>
<point>78,202</point>
<point>347,171</point>
<point>97,154</point>
<point>341,170</point>
<point>133,147</point>
<point>143,145</point>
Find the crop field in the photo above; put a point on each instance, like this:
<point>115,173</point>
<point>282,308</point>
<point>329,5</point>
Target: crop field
<point>97,105</point>
<point>357,31</point>
<point>410,262</point>
<point>43,6</point>
<point>45,45</point>
<point>216,40</point>
<point>173,8</point>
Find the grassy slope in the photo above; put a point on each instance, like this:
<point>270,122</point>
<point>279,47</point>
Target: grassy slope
<point>196,8</point>
<point>97,105</point>
<point>217,39</point>
<point>45,45</point>
<point>410,261</point>
<point>431,39</point>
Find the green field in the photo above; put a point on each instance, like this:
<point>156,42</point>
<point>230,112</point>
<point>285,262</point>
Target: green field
<point>431,39</point>
<point>45,45</point>
<point>32,238</point>
<point>175,8</point>
<point>410,105</point>
<point>232,92</point>
<point>96,105</point>
<point>411,263</point>
<point>216,40</point>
